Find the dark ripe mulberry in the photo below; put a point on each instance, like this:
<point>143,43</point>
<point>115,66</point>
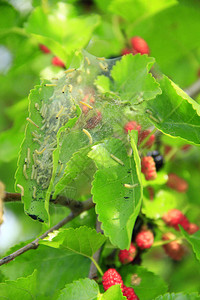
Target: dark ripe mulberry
<point>158,159</point>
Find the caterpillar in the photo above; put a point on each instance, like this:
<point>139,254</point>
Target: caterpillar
<point>67,114</point>
<point>53,105</point>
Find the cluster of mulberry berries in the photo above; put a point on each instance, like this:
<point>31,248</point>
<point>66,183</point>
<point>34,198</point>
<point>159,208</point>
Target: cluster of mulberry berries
<point>137,45</point>
<point>112,277</point>
<point>158,159</point>
<point>144,240</point>
<point>153,162</point>
<point>174,217</point>
<point>174,249</point>
<point>148,168</point>
<point>133,125</point>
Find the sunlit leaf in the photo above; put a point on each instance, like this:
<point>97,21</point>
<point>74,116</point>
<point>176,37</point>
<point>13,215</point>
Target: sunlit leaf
<point>175,113</point>
<point>116,205</point>
<point>146,284</point>
<point>82,240</point>
<point>84,289</point>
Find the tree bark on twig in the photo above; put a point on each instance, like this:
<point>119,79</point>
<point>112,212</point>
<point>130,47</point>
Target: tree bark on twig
<point>93,269</point>
<point>62,200</point>
<point>12,197</point>
<point>194,89</point>
<point>2,196</point>
<point>86,205</point>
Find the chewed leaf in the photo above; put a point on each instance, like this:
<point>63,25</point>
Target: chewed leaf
<point>80,168</point>
<point>83,240</point>
<point>116,190</point>
<point>58,159</point>
<point>71,106</point>
<point>49,110</point>
<point>54,108</point>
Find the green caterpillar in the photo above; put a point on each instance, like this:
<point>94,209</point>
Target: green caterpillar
<point>92,99</point>
<point>52,105</point>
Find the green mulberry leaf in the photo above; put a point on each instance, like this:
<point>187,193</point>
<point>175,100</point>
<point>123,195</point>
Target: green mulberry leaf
<point>84,289</point>
<point>59,28</point>
<point>146,284</point>
<point>132,81</point>
<point>113,293</point>
<point>175,113</point>
<point>117,205</point>
<point>35,163</point>
<point>22,288</point>
<point>179,296</point>
<point>61,265</point>
<point>194,241</point>
<point>82,240</point>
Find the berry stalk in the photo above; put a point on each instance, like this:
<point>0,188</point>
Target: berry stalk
<point>146,138</point>
<point>97,266</point>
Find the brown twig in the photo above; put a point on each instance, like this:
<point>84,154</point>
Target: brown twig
<point>12,197</point>
<point>70,203</point>
<point>64,201</point>
<point>93,269</point>
<point>85,205</point>
<point>194,89</point>
<point>2,196</point>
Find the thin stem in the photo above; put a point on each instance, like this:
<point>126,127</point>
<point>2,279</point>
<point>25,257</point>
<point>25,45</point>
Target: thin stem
<point>194,89</point>
<point>161,243</point>
<point>117,30</point>
<point>86,205</point>
<point>93,267</point>
<point>17,30</point>
<point>70,203</point>
<point>97,266</point>
<point>147,138</point>
<point>61,200</point>
<point>170,154</point>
